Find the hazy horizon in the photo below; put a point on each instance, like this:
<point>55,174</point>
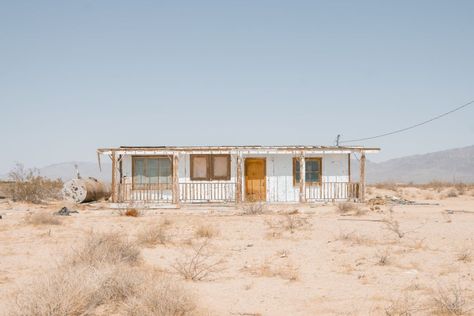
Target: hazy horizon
<point>76,76</point>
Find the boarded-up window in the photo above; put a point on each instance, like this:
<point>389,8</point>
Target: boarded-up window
<point>152,172</point>
<point>220,167</point>
<point>210,167</point>
<point>199,167</point>
<point>312,171</point>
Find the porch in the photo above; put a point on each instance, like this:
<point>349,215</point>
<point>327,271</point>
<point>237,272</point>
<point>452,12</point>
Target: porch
<point>228,192</point>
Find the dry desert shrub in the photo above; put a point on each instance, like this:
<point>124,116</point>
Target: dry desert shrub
<point>391,186</point>
<point>402,306</point>
<point>354,238</point>
<point>166,298</point>
<point>79,290</point>
<point>348,208</point>
<point>206,231</point>
<point>450,301</point>
<point>393,225</point>
<point>106,248</point>
<point>153,235</point>
<point>383,258</point>
<point>130,212</point>
<point>28,186</point>
<point>284,271</point>
<point>290,222</point>
<point>42,218</point>
<point>253,208</point>
<point>199,264</point>
<point>452,193</point>
<point>465,255</point>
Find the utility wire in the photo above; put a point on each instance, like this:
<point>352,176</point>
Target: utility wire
<point>412,126</point>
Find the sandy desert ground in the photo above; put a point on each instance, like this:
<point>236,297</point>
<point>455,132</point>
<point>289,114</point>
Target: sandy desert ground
<point>322,259</point>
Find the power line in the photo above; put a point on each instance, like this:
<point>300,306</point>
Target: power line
<point>412,126</point>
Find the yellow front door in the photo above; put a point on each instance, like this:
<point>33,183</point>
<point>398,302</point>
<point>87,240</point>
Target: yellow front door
<point>255,182</point>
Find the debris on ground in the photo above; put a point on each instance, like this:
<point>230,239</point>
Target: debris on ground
<point>458,211</point>
<point>65,212</point>
<point>391,199</point>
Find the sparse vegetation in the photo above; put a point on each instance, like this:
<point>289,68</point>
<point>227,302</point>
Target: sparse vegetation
<point>42,218</point>
<point>113,248</point>
<point>354,238</point>
<point>199,264</point>
<point>383,258</point>
<point>206,231</point>
<point>391,186</point>
<point>27,185</point>
<point>349,208</point>
<point>403,306</point>
<point>452,193</point>
<point>393,225</point>
<point>465,255</point>
<point>290,222</point>
<point>284,271</point>
<point>102,274</point>
<point>130,212</point>
<point>449,301</point>
<point>253,208</point>
<point>153,235</point>
<point>346,207</point>
<point>79,290</point>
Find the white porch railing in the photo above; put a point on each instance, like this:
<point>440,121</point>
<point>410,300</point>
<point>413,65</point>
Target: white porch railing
<point>208,192</point>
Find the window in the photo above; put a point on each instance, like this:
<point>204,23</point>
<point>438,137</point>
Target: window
<point>312,171</point>
<point>210,167</point>
<point>152,172</point>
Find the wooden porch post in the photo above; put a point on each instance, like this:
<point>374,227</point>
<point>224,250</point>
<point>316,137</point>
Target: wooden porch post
<point>114,197</point>
<point>362,178</point>
<point>302,179</point>
<point>238,189</point>
<point>175,179</point>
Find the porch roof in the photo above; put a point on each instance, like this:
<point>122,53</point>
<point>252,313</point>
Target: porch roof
<point>244,149</point>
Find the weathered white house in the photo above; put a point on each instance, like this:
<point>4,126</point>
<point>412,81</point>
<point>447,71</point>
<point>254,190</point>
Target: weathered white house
<point>234,174</point>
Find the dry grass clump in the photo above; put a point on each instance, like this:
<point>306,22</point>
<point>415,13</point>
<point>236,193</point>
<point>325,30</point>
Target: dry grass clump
<point>403,306</point>
<point>106,248</point>
<point>79,290</point>
<point>42,218</point>
<point>290,222</point>
<point>465,255</point>
<point>391,186</point>
<point>354,238</point>
<point>165,298</point>
<point>131,212</point>
<point>284,271</point>
<point>253,208</point>
<point>206,231</point>
<point>450,301</point>
<point>348,208</point>
<point>27,185</point>
<point>452,193</point>
<point>198,264</point>
<point>383,258</point>
<point>153,235</point>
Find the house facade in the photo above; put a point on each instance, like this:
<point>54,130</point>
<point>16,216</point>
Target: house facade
<point>235,174</point>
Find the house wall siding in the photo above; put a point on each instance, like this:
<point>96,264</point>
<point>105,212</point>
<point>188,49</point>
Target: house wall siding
<point>279,176</point>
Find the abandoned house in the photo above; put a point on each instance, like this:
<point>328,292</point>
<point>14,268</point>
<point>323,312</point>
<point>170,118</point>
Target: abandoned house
<point>235,174</point>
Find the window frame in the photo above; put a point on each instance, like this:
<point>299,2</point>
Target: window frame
<point>310,183</point>
<point>142,186</point>
<point>191,161</point>
<point>210,167</point>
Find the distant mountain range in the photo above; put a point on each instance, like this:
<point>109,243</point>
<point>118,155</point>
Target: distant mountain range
<point>67,170</point>
<point>454,165</point>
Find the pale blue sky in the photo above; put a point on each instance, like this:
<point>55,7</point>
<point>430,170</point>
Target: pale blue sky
<point>78,75</point>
